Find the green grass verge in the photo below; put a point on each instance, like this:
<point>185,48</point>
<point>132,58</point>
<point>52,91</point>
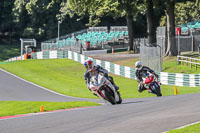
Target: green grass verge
<point>66,77</point>
<point>190,129</point>
<point>23,107</point>
<point>8,51</point>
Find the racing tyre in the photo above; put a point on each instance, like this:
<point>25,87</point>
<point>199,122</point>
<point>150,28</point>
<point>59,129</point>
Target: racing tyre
<point>109,97</point>
<point>157,90</point>
<point>120,99</point>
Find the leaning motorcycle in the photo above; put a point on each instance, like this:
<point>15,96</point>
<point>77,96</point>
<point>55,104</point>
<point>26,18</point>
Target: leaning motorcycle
<point>152,84</point>
<point>104,89</point>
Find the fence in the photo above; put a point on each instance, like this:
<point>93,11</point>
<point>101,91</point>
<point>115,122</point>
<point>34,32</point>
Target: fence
<point>189,42</point>
<point>98,29</point>
<point>66,36</point>
<point>119,28</point>
<point>97,37</point>
<point>190,80</point>
<point>151,57</point>
<point>63,45</point>
<point>150,54</point>
<point>187,60</point>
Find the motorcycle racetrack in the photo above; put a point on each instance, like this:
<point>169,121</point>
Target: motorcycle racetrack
<point>139,115</point>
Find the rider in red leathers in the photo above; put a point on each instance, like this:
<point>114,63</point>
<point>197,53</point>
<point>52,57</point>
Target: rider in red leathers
<point>140,72</point>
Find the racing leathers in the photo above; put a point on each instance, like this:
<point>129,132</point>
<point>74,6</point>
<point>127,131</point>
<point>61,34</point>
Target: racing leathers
<point>140,72</point>
<point>98,69</point>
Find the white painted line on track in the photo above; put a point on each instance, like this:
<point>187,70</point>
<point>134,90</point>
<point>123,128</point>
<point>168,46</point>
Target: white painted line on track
<point>184,126</point>
<point>39,85</point>
<point>188,125</point>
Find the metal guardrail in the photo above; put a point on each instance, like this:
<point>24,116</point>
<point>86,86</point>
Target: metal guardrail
<point>188,60</point>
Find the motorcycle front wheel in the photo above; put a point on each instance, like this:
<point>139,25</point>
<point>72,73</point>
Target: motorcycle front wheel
<point>109,97</point>
<point>120,99</point>
<point>157,89</point>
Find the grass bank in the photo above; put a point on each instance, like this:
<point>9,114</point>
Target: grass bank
<point>66,77</point>
<point>9,108</point>
<point>190,129</point>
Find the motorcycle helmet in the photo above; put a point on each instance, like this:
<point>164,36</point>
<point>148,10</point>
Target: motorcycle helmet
<point>88,64</point>
<point>138,64</point>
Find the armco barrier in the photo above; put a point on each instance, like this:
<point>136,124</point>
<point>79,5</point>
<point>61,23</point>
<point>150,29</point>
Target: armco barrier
<point>191,80</point>
<point>16,58</point>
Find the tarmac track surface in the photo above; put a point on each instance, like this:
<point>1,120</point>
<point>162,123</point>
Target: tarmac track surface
<point>13,88</point>
<point>141,115</point>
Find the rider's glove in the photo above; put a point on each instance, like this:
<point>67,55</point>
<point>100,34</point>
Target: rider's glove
<point>156,75</point>
<point>106,75</point>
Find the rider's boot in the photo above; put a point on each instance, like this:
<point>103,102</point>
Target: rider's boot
<point>95,94</point>
<point>112,82</point>
<point>116,87</point>
<point>89,89</point>
<point>149,90</point>
<point>141,88</point>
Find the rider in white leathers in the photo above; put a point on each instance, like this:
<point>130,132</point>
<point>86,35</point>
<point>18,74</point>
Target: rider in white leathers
<point>97,69</point>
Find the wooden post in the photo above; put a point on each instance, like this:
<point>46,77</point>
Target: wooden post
<point>193,43</point>
<point>187,62</point>
<point>181,61</point>
<point>195,65</point>
<point>178,60</point>
<point>191,63</point>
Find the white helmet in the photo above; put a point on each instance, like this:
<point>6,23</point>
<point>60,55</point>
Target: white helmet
<point>88,64</point>
<point>138,64</point>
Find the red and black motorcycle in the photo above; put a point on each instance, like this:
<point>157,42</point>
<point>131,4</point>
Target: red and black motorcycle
<point>151,83</point>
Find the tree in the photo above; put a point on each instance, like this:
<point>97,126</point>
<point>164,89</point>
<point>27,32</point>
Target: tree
<point>182,17</point>
<point>36,18</point>
<point>151,28</point>
<point>99,8</point>
<point>130,10</point>
<point>198,3</point>
<point>20,16</point>
<point>186,12</point>
<point>6,18</point>
<point>171,48</point>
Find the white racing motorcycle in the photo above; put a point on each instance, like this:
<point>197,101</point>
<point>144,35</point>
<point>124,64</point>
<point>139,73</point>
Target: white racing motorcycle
<point>104,89</point>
